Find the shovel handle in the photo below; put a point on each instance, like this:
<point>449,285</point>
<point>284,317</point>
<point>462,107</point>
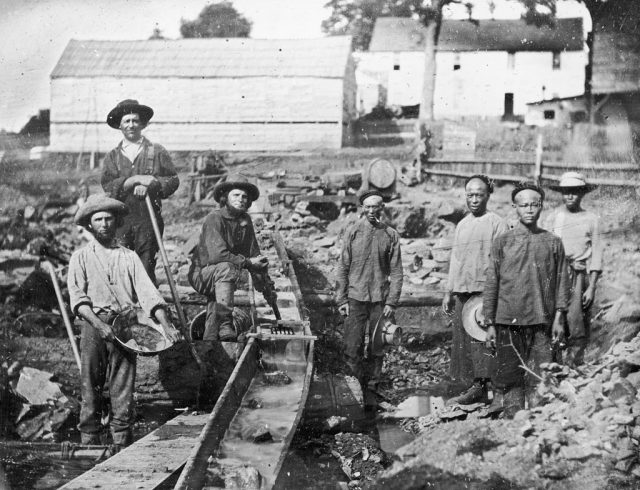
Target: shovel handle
<point>63,311</point>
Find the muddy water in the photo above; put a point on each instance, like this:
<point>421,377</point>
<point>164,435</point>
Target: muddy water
<point>279,407</point>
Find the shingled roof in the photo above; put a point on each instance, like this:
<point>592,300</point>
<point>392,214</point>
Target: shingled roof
<point>403,34</point>
<point>209,58</point>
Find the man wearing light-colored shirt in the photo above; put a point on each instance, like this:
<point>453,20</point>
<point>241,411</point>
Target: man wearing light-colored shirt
<point>470,359</point>
<point>104,280</point>
<point>580,233</point>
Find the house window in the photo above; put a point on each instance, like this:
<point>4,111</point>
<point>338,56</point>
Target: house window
<point>555,63</point>
<point>511,60</point>
<point>456,62</point>
<point>396,67</point>
<point>456,67</point>
<point>508,104</point>
<point>549,115</point>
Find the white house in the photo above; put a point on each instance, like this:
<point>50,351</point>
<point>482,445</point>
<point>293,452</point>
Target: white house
<point>485,68</point>
<point>221,94</point>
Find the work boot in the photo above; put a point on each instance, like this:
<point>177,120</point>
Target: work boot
<point>497,405</point>
<point>476,393</point>
<point>224,319</point>
<point>513,401</point>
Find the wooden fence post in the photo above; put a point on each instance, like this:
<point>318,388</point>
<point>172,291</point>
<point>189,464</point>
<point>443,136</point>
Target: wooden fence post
<point>537,172</point>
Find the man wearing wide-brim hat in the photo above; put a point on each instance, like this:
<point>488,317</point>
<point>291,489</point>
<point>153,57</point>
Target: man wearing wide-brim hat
<point>581,236</point>
<point>105,279</point>
<point>227,244</point>
<point>134,169</point>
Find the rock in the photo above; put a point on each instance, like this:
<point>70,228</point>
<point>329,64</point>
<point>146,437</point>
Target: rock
<point>255,403</point>
<point>257,434</point>
<point>624,309</point>
<point>324,242</point>
<point>333,422</point>
<point>415,280</point>
<point>578,452</point>
<point>625,465</point>
<point>522,415</point>
<point>621,419</point>
<point>621,391</point>
<point>35,387</point>
<point>412,407</point>
<point>277,378</point>
<point>527,428</point>
<point>634,379</point>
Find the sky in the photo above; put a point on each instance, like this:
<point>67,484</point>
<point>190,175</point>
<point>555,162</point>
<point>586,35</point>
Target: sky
<point>35,32</point>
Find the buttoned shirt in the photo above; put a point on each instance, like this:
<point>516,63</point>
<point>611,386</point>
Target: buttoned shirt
<point>130,149</point>
<point>370,265</point>
<point>527,280</point>
<point>110,279</point>
<point>471,249</point>
<point>226,238</point>
<point>580,235</point>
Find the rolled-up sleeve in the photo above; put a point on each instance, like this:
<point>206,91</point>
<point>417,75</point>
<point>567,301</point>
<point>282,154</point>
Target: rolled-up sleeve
<point>166,174</point>
<point>491,286</point>
<point>395,273</point>
<point>77,283</point>
<point>148,296</point>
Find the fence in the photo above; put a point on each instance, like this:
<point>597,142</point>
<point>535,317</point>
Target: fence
<point>616,174</point>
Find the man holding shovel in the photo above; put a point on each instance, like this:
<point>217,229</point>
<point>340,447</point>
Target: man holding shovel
<point>105,279</point>
<point>133,170</point>
<point>227,244</point>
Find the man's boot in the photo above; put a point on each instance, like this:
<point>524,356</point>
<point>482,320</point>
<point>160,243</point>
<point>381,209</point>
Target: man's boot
<point>513,401</point>
<point>497,405</point>
<point>476,393</point>
<point>211,325</point>
<point>224,318</point>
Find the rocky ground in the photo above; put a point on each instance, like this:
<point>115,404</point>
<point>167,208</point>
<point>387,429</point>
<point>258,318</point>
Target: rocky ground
<point>586,435</point>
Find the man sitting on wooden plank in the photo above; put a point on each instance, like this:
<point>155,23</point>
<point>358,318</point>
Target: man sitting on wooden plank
<point>526,296</point>
<point>470,359</point>
<point>368,284</point>
<point>105,279</point>
<point>227,244</point>
<point>583,244</point>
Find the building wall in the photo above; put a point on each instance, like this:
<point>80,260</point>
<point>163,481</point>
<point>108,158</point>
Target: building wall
<point>479,84</point>
<point>563,112</point>
<point>257,113</point>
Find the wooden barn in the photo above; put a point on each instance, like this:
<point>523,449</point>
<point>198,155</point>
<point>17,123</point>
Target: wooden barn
<point>220,94</point>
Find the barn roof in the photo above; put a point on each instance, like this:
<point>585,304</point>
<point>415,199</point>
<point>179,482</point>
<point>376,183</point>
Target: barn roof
<point>405,34</point>
<point>209,58</point>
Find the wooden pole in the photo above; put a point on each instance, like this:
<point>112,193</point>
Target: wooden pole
<point>174,291</point>
<point>537,172</point>
<point>63,312</point>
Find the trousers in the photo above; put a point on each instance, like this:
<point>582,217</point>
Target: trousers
<point>218,283</point>
<point>100,359</point>
<point>136,233</point>
<point>362,320</point>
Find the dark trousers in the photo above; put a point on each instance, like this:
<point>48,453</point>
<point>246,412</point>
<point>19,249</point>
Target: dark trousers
<point>136,233</point>
<point>470,359</point>
<point>218,283</point>
<point>516,346</point>
<point>362,320</point>
<point>99,359</point>
<point>578,319</point>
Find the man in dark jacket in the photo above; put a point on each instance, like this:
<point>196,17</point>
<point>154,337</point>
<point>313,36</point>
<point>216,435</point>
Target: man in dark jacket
<point>368,284</point>
<point>132,170</point>
<point>227,245</point>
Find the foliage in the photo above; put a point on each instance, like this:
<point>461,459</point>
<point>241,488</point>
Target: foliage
<point>217,20</point>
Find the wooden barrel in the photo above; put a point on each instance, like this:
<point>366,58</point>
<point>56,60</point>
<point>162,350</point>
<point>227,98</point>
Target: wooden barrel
<point>381,173</point>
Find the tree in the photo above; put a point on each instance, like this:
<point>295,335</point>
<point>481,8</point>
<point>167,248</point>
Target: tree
<point>217,20</point>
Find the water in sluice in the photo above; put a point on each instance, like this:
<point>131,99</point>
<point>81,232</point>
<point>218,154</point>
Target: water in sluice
<point>279,407</point>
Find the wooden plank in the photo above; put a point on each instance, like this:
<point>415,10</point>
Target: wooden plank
<point>149,462</point>
<point>219,419</point>
<point>503,178</point>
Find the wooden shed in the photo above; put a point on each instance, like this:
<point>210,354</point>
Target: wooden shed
<point>221,94</point>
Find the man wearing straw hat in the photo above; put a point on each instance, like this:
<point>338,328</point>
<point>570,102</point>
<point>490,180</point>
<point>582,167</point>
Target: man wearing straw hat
<point>580,233</point>
<point>227,244</point>
<point>134,169</point>
<point>470,258</point>
<point>368,284</point>
<point>105,279</point>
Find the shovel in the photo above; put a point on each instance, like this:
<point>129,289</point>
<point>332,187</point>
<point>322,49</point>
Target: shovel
<point>176,298</point>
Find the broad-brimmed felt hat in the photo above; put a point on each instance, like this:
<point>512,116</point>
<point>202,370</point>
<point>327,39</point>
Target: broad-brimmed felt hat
<point>574,181</point>
<point>128,106</point>
<point>368,193</point>
<point>235,181</point>
<point>96,203</point>
<point>473,318</point>
<point>523,186</point>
